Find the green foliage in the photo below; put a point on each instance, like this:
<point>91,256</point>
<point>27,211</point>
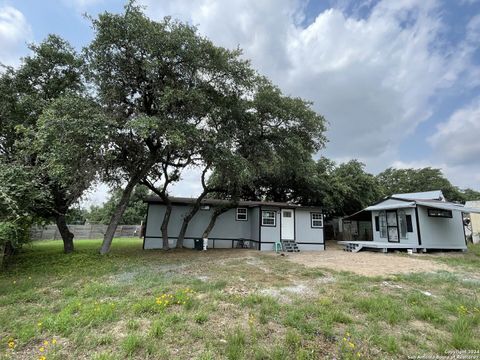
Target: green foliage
<point>20,195</point>
<point>396,181</point>
<point>135,212</point>
<point>51,133</point>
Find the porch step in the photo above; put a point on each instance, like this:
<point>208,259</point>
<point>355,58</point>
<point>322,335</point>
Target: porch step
<point>290,246</point>
<point>352,247</point>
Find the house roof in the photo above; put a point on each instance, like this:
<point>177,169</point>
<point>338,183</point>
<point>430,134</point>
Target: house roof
<point>431,199</point>
<point>216,202</point>
<point>425,195</point>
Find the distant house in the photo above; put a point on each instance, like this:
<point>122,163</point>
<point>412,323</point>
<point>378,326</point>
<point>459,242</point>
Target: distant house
<point>418,221</point>
<point>474,220</point>
<point>253,224</point>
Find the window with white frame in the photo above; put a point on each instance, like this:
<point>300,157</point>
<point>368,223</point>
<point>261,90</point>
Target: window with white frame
<point>268,218</point>
<point>316,220</point>
<point>242,214</point>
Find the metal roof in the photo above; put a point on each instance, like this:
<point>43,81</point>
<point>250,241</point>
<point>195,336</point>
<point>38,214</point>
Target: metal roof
<point>425,195</point>
<point>390,206</point>
<point>411,203</point>
<point>448,206</point>
<point>209,201</point>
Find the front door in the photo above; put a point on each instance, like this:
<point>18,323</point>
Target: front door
<point>288,224</point>
<point>392,226</point>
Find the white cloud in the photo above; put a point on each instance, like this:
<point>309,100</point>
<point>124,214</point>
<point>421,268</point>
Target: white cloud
<point>81,5</point>
<point>457,140</point>
<point>461,175</point>
<point>15,32</point>
<point>372,78</point>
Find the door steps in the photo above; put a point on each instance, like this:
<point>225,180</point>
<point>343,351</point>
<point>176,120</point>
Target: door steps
<point>352,247</point>
<point>290,246</point>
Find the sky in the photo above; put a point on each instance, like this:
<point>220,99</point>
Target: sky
<point>397,80</point>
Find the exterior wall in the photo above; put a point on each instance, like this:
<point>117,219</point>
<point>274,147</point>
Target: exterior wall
<point>412,237</point>
<point>270,234</point>
<point>255,227</point>
<point>226,230</point>
<point>441,233</point>
<point>308,238</point>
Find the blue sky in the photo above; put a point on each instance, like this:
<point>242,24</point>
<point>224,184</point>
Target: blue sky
<point>398,80</point>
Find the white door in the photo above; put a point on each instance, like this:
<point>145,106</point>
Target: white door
<point>288,224</point>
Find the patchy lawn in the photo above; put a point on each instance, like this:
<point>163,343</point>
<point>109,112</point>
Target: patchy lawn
<point>233,304</point>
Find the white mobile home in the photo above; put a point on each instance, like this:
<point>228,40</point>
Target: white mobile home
<point>253,224</point>
<point>418,221</point>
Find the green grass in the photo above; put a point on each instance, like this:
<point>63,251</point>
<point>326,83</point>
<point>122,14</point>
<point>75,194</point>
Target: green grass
<point>227,304</point>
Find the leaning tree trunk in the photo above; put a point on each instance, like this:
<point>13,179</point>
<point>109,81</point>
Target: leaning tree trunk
<point>164,227</point>
<point>65,232</point>
<point>213,219</point>
<point>187,218</point>
<point>116,217</point>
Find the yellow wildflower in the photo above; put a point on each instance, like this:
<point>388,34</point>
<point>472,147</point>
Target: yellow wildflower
<point>54,341</point>
<point>344,339</point>
<point>45,343</point>
<point>352,345</point>
<point>39,324</point>
<point>11,344</point>
<point>42,358</point>
<point>359,354</point>
<point>42,349</point>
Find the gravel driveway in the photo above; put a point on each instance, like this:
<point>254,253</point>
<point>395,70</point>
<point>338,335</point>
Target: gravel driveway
<point>366,263</point>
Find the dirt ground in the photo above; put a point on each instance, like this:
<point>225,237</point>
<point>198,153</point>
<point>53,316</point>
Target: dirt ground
<point>366,263</point>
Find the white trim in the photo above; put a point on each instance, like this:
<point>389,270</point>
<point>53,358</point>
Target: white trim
<point>245,213</point>
<point>312,220</point>
<point>274,218</point>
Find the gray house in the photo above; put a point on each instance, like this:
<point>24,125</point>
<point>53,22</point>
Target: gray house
<point>417,221</point>
<point>253,224</point>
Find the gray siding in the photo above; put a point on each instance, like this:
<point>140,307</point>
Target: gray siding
<point>441,233</point>
<point>308,238</point>
<point>227,229</point>
<point>255,226</point>
<point>270,234</point>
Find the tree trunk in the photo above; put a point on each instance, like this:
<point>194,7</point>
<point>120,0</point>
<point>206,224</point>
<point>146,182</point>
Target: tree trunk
<point>213,219</point>
<point>164,227</point>
<point>117,216</point>
<point>65,232</point>
<point>188,217</point>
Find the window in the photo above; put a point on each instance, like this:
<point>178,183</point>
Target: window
<point>377,223</point>
<point>242,214</point>
<point>440,213</point>
<point>268,218</point>
<point>316,220</point>
<point>383,224</point>
<point>402,219</point>
<point>409,223</point>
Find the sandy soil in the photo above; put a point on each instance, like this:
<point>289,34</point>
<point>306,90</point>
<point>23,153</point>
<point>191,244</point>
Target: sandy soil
<point>366,262</point>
